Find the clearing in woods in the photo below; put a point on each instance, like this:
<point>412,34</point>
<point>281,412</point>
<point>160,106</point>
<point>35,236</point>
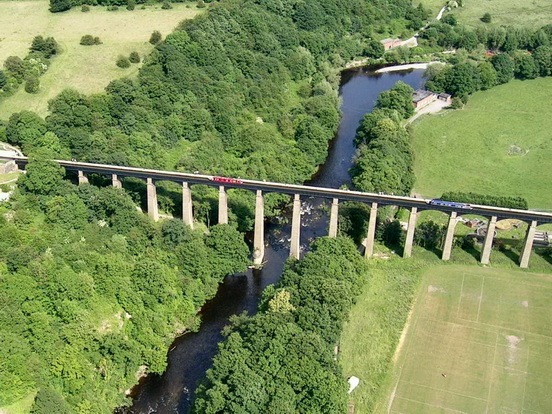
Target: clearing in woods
<point>87,69</point>
<point>479,341</point>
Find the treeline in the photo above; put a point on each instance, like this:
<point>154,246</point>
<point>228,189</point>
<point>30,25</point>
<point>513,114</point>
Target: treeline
<point>467,77</point>
<point>57,6</point>
<point>384,161</point>
<point>281,360</point>
<point>92,291</point>
<point>28,70</point>
<point>485,199</point>
<point>449,34</point>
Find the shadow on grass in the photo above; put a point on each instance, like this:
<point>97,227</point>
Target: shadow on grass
<point>510,254</point>
<point>472,251</point>
<point>545,255</point>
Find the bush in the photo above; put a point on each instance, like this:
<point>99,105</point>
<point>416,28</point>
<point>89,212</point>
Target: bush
<point>155,37</point>
<point>57,6</point>
<point>3,79</point>
<point>166,5</point>
<point>131,4</point>
<point>200,4</point>
<point>47,47</point>
<point>134,57</point>
<point>85,8</point>
<point>89,40</point>
<point>112,8</point>
<point>32,85</point>
<point>123,62</point>
<point>16,66</point>
<point>486,18</point>
<point>456,103</point>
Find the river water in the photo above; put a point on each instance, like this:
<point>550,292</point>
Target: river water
<point>190,355</point>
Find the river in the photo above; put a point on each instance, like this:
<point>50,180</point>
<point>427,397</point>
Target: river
<point>190,355</point>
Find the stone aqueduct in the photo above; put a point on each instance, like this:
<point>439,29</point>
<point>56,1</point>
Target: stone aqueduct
<point>415,205</point>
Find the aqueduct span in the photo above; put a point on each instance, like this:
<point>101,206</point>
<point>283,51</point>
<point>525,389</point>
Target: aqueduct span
<point>415,205</point>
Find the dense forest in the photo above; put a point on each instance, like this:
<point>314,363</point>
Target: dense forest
<point>92,291</point>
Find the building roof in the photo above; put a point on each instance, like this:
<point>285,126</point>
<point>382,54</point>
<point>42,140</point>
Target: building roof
<point>420,94</point>
<point>389,40</point>
<point>445,95</point>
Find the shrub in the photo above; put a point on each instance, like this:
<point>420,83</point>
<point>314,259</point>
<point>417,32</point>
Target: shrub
<point>57,6</point>
<point>456,103</point>
<point>131,4</point>
<point>200,4</point>
<point>15,65</point>
<point>47,47</point>
<point>32,85</point>
<point>85,8</point>
<point>89,40</point>
<point>155,37</point>
<point>486,18</point>
<point>123,62</point>
<point>166,5</point>
<point>3,79</point>
<point>134,57</point>
<point>112,8</point>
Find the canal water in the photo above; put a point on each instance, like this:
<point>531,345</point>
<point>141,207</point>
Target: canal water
<point>190,355</point>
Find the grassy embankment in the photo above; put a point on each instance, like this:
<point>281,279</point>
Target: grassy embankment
<point>534,13</point>
<point>87,69</point>
<point>499,144</point>
<point>490,340</point>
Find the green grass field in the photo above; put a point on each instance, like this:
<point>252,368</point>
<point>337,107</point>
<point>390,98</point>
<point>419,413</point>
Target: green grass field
<point>479,339</point>
<point>433,5</point>
<point>86,68</point>
<point>499,144</point>
<point>533,13</point>
<point>475,344</point>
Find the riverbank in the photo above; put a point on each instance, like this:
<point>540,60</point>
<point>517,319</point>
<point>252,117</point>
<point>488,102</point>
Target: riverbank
<point>398,68</point>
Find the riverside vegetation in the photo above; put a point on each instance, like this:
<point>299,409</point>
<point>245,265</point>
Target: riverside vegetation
<point>94,289</point>
<point>281,360</point>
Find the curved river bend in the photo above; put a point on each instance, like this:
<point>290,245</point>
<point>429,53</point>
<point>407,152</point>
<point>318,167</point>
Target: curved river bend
<point>190,355</point>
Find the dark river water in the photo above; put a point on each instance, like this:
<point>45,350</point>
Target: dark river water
<point>190,355</point>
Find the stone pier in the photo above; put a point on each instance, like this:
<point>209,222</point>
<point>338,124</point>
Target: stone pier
<point>222,206</point>
<point>115,181</point>
<point>295,245</point>
<point>334,214</point>
<point>449,238</point>
<point>410,232</point>
<point>528,245</point>
<point>371,235</point>
<point>153,210</point>
<point>488,243</point>
<point>83,179</point>
<point>187,210</point>
<point>258,236</point>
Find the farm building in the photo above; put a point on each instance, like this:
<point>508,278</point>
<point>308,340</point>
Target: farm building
<point>391,43</point>
<point>445,97</point>
<point>421,98</point>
